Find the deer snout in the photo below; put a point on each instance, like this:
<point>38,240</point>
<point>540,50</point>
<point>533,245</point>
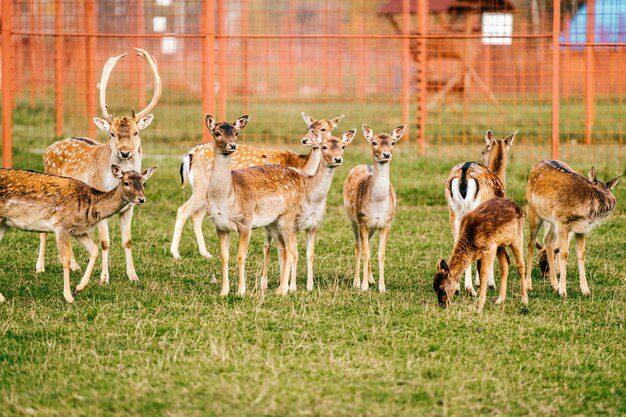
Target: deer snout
<point>387,155</point>
<point>232,146</point>
<point>125,153</point>
<point>305,140</point>
<point>141,200</point>
<point>338,159</point>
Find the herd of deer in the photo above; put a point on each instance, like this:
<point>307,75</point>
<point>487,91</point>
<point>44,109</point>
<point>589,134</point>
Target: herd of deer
<point>243,187</point>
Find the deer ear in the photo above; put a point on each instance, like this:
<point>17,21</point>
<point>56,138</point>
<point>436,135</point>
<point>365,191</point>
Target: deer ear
<point>307,119</point>
<point>147,173</point>
<point>442,266</point>
<point>210,122</point>
<point>336,120</point>
<point>117,171</point>
<point>145,121</point>
<point>592,174</point>
<point>509,141</point>
<point>398,132</point>
<point>368,132</point>
<point>611,183</point>
<point>242,122</point>
<point>316,137</point>
<point>102,124</point>
<point>489,138</point>
<point>348,136</point>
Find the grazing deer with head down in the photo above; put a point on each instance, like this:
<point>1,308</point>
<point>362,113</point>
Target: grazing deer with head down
<point>483,235</point>
<point>90,161</point>
<point>313,207</point>
<point>197,164</point>
<point>38,202</point>
<point>267,196</point>
<point>370,203</point>
<point>469,184</point>
<point>571,204</point>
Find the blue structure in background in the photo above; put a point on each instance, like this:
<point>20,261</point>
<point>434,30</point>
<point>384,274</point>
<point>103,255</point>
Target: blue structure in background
<point>610,23</point>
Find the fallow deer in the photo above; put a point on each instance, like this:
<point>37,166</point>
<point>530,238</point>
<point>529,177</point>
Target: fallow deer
<point>265,196</point>
<point>313,207</point>
<point>469,184</point>
<point>90,161</point>
<point>370,203</point>
<point>571,204</point>
<point>196,169</point>
<point>483,235</point>
<point>67,207</point>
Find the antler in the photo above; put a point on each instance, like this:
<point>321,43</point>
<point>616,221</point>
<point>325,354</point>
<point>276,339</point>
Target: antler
<point>157,82</point>
<point>104,80</point>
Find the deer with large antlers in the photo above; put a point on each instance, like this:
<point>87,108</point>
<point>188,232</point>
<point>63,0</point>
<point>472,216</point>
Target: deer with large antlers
<point>90,161</point>
<point>572,205</point>
<point>370,203</point>
<point>313,206</point>
<point>265,196</point>
<point>469,184</point>
<point>196,170</point>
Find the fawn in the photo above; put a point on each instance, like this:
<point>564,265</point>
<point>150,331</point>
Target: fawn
<point>370,203</point>
<point>266,196</point>
<point>469,184</point>
<point>313,206</point>
<point>483,235</point>
<point>38,202</point>
<point>571,204</point>
<point>196,169</point>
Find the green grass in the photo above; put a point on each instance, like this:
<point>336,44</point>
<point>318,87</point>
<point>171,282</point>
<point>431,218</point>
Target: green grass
<point>176,348</point>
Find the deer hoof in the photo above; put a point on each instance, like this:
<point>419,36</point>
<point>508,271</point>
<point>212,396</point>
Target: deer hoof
<point>585,291</point>
<point>470,291</point>
<point>499,300</point>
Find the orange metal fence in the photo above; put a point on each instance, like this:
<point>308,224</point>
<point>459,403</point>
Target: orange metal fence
<point>449,68</point>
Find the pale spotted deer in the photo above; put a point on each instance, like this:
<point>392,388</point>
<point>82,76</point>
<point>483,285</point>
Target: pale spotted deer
<point>313,207</point>
<point>67,207</point>
<point>196,169</point>
<point>370,203</point>
<point>469,184</point>
<point>265,196</point>
<point>572,205</point>
<point>483,235</point>
<point>90,161</point>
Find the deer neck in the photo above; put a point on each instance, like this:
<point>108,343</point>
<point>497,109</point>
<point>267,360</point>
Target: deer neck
<point>380,181</point>
<point>602,204</point>
<point>312,161</point>
<point>498,162</point>
<point>460,260</point>
<point>221,182</point>
<point>319,184</point>
<point>106,204</point>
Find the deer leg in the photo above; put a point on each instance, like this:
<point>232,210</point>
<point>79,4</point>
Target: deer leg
<point>294,265</point>
<point>369,265</point>
<point>563,244</point>
<point>103,232</point>
<point>356,283</point>
<point>73,264</point>
<point>503,260</point>
<point>196,219</point>
<point>3,230</point>
<point>580,255</point>
<point>224,251</point>
<point>267,247</point>
<point>310,257</point>
<point>194,208</point>
<point>517,248</point>
<point>92,248</point>
<point>242,253</point>
<point>366,256</point>
<point>40,267</point>
<point>63,243</point>
<point>552,257</point>
<point>534,223</point>
<point>126,218</point>
<point>288,254</point>
<point>486,264</point>
<point>382,247</point>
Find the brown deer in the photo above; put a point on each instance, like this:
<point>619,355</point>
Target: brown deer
<point>313,207</point>
<point>67,207</point>
<point>370,203</point>
<point>90,161</point>
<point>469,184</point>
<point>197,164</point>
<point>483,235</point>
<point>265,196</point>
<point>572,205</point>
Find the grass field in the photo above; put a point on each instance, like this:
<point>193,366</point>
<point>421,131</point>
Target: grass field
<point>176,348</point>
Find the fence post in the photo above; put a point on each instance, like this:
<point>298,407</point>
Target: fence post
<point>422,80</point>
<point>90,16</point>
<point>244,55</point>
<point>221,57</point>
<point>208,61</point>
<point>406,57</point>
<point>59,49</point>
<point>7,83</point>
<point>589,72</point>
<point>556,29</point>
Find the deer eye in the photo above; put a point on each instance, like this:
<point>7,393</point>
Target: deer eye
<point>343,146</point>
<point>126,184</point>
<point>136,134</point>
<point>217,133</point>
<point>325,147</point>
<point>374,143</point>
<point>236,133</point>
<point>112,134</point>
<point>323,129</point>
